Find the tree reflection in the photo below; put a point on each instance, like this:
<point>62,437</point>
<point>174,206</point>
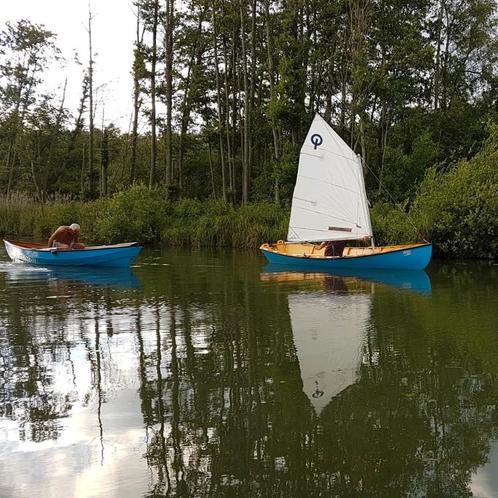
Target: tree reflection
<point>215,358</point>
<point>26,379</point>
<point>417,422</point>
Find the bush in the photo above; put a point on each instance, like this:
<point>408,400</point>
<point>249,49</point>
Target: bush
<point>142,214</point>
<point>460,208</point>
<point>457,211</point>
<point>216,223</point>
<point>393,225</point>
<point>135,214</point>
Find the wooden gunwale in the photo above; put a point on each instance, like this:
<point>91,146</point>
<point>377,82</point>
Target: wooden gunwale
<point>370,251</point>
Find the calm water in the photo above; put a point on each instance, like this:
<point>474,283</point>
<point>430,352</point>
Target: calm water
<point>209,374</point>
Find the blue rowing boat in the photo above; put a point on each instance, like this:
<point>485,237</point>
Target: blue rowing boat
<point>330,208</point>
<point>117,256</point>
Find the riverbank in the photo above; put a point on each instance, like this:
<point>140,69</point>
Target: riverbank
<point>144,215</point>
<point>457,211</point>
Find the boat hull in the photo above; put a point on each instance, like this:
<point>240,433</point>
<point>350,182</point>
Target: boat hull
<point>415,257</point>
<point>118,256</point>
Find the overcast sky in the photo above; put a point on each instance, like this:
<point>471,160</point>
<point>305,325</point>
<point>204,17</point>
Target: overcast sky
<point>113,34</point>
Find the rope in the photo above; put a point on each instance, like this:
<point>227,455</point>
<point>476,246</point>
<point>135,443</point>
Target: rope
<point>393,200</point>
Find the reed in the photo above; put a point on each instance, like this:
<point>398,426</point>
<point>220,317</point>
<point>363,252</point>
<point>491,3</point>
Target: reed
<point>457,211</point>
<point>145,215</point>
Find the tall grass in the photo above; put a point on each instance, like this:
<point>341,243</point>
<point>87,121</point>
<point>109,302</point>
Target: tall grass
<point>457,211</point>
<point>144,215</point>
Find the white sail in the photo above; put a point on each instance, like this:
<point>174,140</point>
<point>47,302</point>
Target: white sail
<point>329,333</point>
<point>329,201</point>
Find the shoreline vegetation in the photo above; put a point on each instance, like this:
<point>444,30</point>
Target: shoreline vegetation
<point>456,210</point>
<point>223,96</point>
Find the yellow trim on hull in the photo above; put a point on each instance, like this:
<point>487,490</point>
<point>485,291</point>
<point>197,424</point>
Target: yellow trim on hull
<point>308,250</point>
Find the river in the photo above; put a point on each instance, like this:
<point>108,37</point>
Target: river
<point>203,373</point>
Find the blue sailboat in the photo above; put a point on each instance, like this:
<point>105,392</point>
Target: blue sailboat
<point>330,207</point>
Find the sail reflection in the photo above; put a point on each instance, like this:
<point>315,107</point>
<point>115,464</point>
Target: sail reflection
<point>329,331</point>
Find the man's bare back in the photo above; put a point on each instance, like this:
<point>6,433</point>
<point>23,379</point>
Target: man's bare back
<point>66,237</point>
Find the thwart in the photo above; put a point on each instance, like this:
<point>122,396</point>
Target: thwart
<point>330,204</point>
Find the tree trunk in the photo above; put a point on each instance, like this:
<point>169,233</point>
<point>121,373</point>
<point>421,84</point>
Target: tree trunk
<point>91,179</point>
<point>52,142</point>
<point>136,96</point>
<point>186,105</point>
<point>21,107</point>
<point>235,105</point>
<point>359,15</point>
<point>82,173</point>
<point>168,38</point>
<point>231,166</point>
<point>104,161</point>
<point>437,65</point>
<point>363,145</point>
<point>218,99</point>
<point>211,170</point>
<point>446,63</point>
<point>247,118</point>
<point>35,182</point>
<point>252,91</point>
<point>153,148</point>
<point>384,132</point>
<point>269,46</point>
<point>11,160</point>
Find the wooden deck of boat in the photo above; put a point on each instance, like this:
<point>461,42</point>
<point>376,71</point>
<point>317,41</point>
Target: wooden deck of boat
<point>309,250</point>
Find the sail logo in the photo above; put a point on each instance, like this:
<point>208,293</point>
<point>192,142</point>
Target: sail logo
<point>316,140</point>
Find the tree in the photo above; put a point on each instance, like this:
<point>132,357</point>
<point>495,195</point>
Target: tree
<point>91,111</point>
<point>27,50</point>
<point>153,148</point>
<point>169,28</point>
<point>139,73</point>
<point>229,89</point>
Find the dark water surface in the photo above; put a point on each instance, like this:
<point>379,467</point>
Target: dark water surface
<point>209,374</point>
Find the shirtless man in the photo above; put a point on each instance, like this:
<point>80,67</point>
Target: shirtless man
<point>335,248</point>
<point>66,237</point>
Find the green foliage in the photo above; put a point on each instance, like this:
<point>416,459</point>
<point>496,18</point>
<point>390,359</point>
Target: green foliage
<point>393,225</point>
<point>135,214</point>
<point>144,215</point>
<point>403,171</point>
<point>457,211</point>
<point>215,223</point>
<point>460,207</point>
<point>409,84</point>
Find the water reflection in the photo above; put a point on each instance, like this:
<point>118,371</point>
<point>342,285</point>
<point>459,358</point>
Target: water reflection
<point>329,332</point>
<point>114,277</point>
<point>207,380</point>
<point>413,280</point>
